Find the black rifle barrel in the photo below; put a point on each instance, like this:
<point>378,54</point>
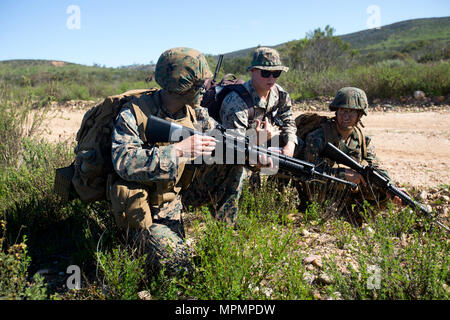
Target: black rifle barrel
<point>219,64</point>
<point>161,130</point>
<point>372,175</point>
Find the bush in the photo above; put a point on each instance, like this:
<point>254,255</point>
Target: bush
<point>396,259</point>
<point>387,79</point>
<point>123,272</point>
<point>14,265</point>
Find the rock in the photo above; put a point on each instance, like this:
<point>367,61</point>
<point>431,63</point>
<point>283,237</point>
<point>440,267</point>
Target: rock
<point>386,106</point>
<point>325,279</point>
<point>446,287</point>
<point>43,272</point>
<point>310,259</point>
<point>419,95</point>
<point>314,260</point>
<point>367,228</point>
<point>403,240</point>
<point>317,295</point>
<point>335,296</point>
<point>305,233</point>
<point>144,295</point>
<point>308,277</point>
<point>291,217</point>
<point>439,99</point>
<point>446,198</point>
<point>317,263</point>
<point>423,195</point>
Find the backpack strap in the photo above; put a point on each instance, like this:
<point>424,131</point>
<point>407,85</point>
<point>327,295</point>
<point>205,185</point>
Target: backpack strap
<point>330,133</point>
<point>282,97</point>
<point>243,93</point>
<point>148,107</point>
<point>362,142</point>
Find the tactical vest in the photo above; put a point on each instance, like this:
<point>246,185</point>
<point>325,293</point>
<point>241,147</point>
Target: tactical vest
<point>331,135</point>
<point>164,191</point>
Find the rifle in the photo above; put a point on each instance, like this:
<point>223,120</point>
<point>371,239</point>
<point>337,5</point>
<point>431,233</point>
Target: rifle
<point>160,130</point>
<point>375,176</point>
<point>219,64</point>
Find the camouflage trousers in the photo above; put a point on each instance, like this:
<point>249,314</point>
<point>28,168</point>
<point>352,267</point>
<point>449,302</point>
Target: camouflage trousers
<point>219,186</point>
<point>155,231</point>
<point>159,231</point>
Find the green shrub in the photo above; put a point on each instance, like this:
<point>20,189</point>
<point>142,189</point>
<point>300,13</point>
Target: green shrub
<point>386,79</point>
<point>395,261</point>
<point>123,272</point>
<point>14,265</point>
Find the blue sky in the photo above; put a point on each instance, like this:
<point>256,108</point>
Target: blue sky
<point>115,33</point>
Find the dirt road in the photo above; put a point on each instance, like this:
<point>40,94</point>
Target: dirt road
<point>413,147</point>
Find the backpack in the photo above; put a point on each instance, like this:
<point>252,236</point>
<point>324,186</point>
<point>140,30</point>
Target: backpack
<point>87,176</point>
<point>308,122</point>
<point>216,92</point>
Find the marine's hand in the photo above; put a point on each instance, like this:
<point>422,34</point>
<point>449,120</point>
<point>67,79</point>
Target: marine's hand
<point>195,146</point>
<point>265,131</point>
<point>396,200</point>
<point>355,177</point>
<point>289,149</point>
<point>264,161</point>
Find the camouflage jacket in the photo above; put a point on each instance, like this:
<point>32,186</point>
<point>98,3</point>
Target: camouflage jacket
<point>234,112</point>
<point>315,143</point>
<point>135,161</point>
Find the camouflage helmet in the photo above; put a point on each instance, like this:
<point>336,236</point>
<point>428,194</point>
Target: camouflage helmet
<point>267,59</point>
<point>180,69</point>
<point>350,98</point>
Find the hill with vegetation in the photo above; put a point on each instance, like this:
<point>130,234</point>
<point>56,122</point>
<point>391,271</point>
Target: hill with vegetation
<point>393,37</point>
<point>47,80</point>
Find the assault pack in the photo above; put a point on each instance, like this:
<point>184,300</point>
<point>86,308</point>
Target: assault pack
<point>308,122</point>
<point>216,92</point>
<point>87,176</point>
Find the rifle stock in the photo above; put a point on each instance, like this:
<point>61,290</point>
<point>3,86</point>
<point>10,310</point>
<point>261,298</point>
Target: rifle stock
<point>372,175</point>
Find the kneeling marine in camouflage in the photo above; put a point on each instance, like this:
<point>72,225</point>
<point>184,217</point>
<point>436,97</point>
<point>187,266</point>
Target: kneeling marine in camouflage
<point>146,195</point>
<point>343,131</point>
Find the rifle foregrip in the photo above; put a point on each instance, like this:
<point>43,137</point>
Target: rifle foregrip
<point>161,130</point>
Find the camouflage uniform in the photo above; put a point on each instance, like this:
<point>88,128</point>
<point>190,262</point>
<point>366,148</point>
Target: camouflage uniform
<point>146,196</point>
<point>234,111</point>
<point>315,143</point>
<point>353,146</point>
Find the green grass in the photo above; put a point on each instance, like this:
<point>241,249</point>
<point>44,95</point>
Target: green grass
<point>46,82</point>
<point>262,257</point>
<point>387,79</point>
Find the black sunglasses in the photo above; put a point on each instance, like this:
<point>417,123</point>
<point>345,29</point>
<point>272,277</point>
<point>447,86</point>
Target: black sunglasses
<point>267,73</point>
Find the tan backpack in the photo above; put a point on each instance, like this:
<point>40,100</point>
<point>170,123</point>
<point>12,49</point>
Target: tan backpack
<point>87,176</point>
<point>308,122</point>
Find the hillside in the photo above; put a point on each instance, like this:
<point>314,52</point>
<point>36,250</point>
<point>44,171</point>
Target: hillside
<point>388,38</point>
<point>398,35</point>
